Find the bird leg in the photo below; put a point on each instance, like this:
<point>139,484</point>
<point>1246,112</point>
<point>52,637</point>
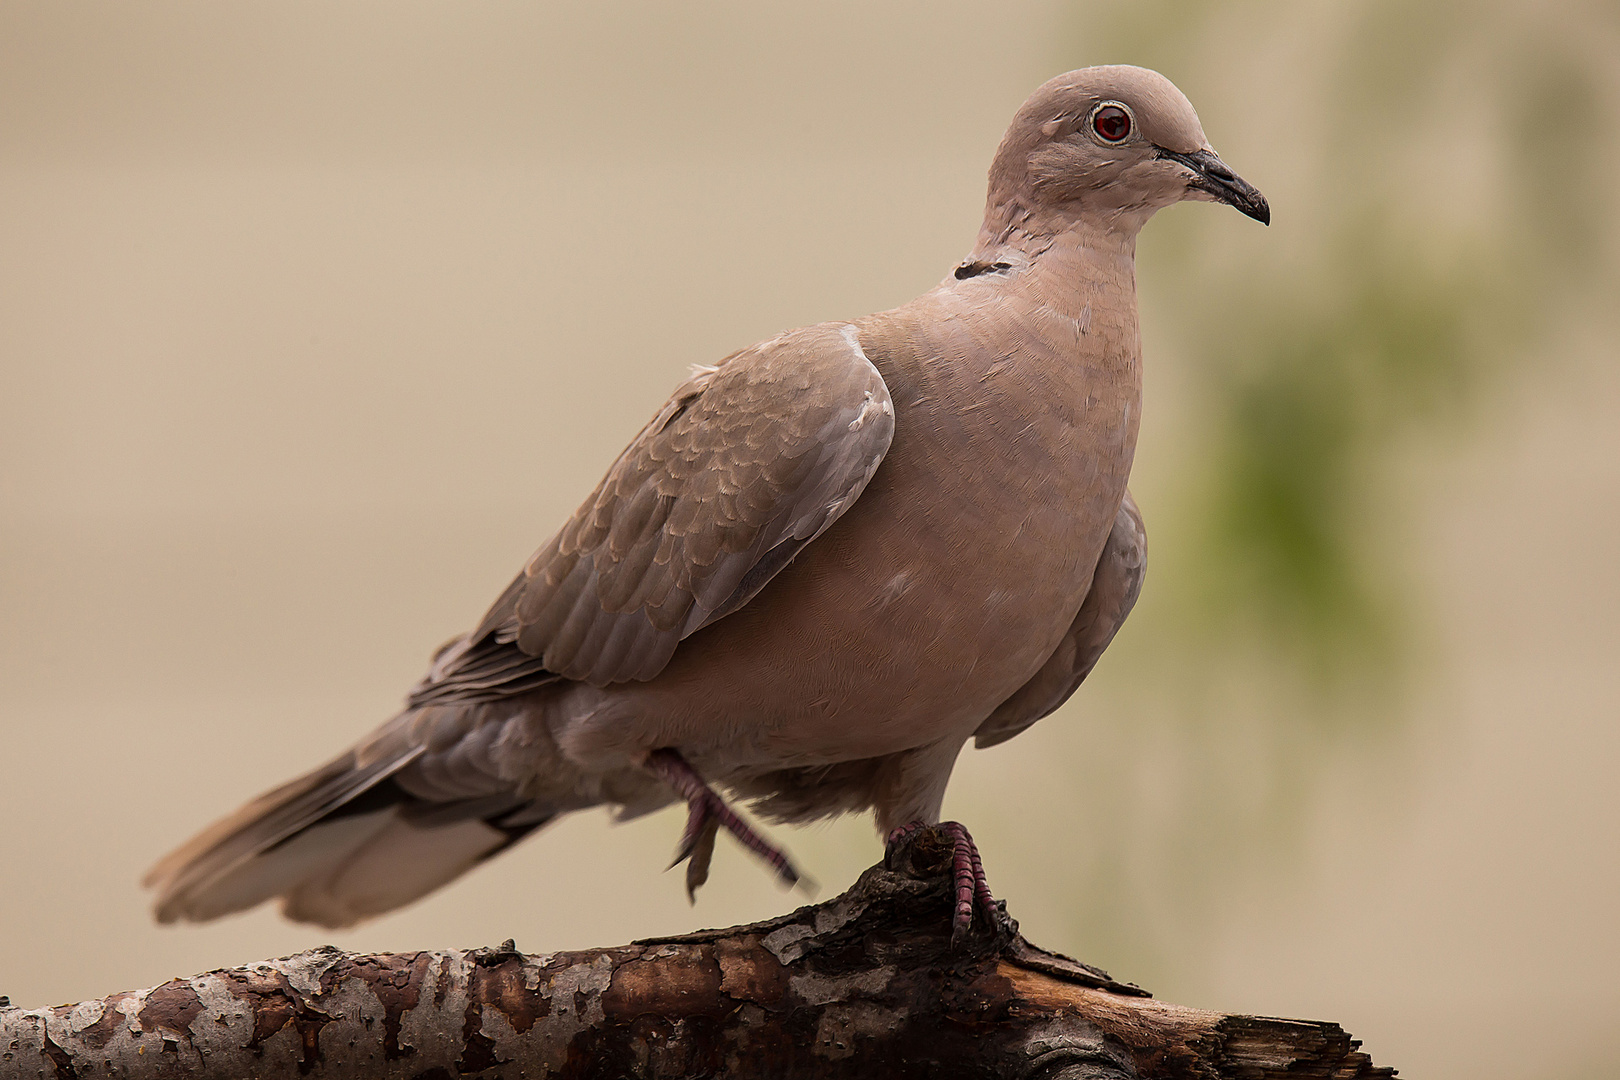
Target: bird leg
<point>706,812</point>
<point>967,871</point>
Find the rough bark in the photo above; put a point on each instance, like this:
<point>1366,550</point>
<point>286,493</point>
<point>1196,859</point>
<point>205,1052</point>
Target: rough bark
<point>864,985</point>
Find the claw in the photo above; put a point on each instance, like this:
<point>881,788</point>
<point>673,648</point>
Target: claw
<point>701,850</point>
<point>706,813</point>
<point>970,891</point>
<point>698,820</point>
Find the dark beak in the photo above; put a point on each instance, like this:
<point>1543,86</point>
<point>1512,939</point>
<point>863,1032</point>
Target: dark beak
<point>1211,175</point>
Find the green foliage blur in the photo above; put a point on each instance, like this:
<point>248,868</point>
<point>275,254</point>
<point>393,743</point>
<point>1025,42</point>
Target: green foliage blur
<point>1454,155</point>
<point>1441,229</point>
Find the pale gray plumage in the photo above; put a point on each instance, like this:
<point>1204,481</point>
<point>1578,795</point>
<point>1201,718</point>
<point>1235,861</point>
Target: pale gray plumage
<point>819,570</point>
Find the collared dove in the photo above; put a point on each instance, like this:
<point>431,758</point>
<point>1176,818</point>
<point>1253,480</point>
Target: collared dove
<point>823,566</point>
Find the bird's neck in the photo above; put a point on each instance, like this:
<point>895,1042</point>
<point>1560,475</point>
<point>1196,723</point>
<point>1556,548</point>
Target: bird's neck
<point>1014,226</point>
<point>1068,265</point>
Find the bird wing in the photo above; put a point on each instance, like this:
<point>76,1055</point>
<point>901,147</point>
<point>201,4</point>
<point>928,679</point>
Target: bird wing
<point>747,463</point>
<point>1115,586</point>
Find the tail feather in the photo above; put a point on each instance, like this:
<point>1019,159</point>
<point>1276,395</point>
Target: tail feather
<point>316,850</point>
<point>340,844</point>
<point>218,852</point>
<point>393,866</point>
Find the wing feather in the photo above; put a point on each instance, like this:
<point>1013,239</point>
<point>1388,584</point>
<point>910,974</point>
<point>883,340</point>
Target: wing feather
<point>1114,588</point>
<point>745,464</point>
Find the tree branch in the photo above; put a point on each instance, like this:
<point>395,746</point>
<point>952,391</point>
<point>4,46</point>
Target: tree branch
<point>866,984</point>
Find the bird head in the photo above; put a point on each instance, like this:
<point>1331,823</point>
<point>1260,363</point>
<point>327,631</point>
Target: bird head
<point>1110,145</point>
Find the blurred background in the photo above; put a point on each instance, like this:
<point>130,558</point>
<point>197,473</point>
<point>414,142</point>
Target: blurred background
<point>316,319</point>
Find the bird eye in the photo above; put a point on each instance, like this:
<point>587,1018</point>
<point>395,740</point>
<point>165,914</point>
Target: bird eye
<point>1111,123</point>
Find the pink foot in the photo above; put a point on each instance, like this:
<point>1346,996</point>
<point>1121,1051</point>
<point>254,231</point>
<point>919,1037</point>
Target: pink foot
<point>971,889</point>
<point>706,813</point>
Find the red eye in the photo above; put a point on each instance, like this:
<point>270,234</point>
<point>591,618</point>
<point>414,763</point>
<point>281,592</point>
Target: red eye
<point>1112,123</point>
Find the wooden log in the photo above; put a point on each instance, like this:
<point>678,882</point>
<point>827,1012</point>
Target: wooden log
<point>864,985</point>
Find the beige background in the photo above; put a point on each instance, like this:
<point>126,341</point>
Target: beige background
<point>315,319</point>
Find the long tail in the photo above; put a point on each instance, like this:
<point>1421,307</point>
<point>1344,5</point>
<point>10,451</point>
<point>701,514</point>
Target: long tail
<point>349,840</point>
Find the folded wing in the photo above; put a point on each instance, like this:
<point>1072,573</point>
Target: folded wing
<point>1114,588</point>
<point>747,463</point>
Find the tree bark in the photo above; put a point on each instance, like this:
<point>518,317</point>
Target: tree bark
<point>864,985</point>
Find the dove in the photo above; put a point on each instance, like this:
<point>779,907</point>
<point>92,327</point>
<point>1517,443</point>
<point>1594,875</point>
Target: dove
<point>826,564</point>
